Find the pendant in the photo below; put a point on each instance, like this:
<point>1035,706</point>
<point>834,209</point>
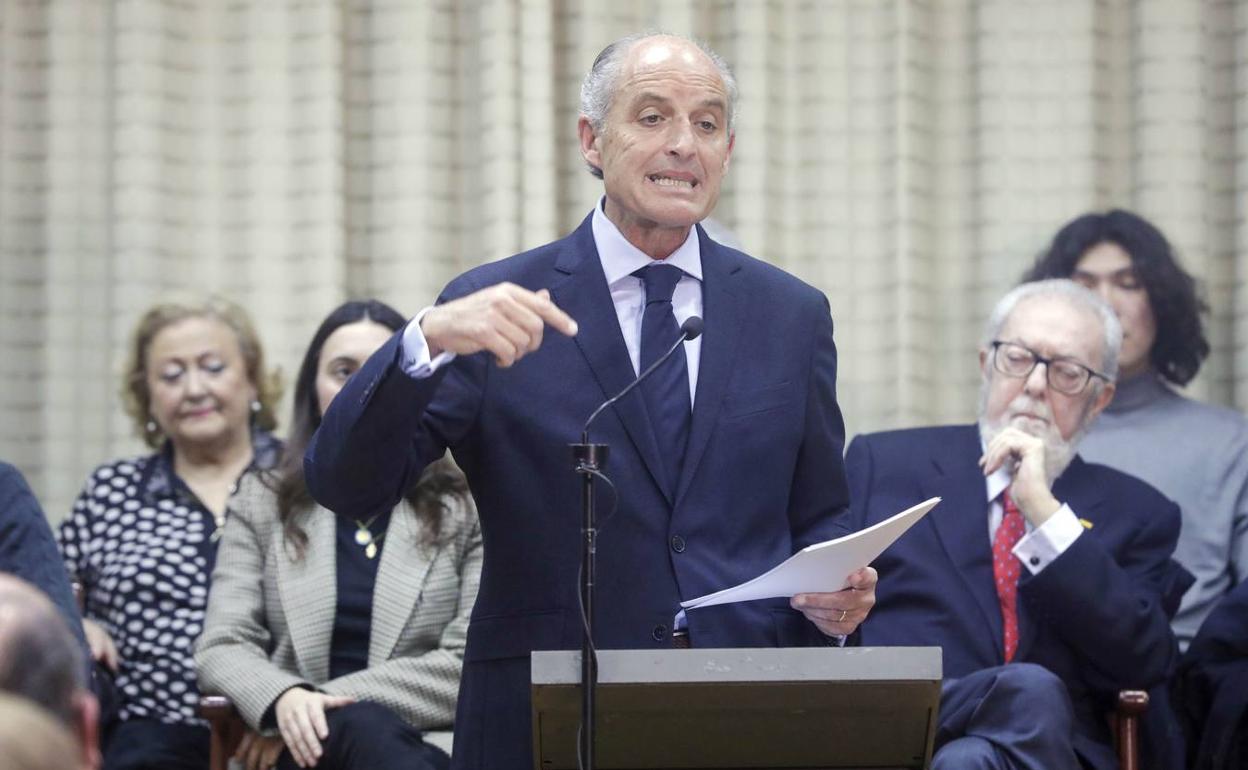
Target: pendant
<point>371,550</point>
<point>363,537</point>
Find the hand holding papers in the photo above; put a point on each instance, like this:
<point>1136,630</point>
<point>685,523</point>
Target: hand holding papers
<point>820,567</point>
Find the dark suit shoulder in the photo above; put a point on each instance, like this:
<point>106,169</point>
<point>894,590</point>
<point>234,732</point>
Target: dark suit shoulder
<point>908,442</point>
<point>11,480</point>
<point>1117,484</point>
<point>530,269</point>
<point>765,276</point>
<point>15,490</point>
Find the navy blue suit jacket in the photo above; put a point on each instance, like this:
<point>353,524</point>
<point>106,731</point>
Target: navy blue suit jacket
<point>762,478</point>
<point>1093,616</point>
<point>28,548</point>
<point>1212,687</point>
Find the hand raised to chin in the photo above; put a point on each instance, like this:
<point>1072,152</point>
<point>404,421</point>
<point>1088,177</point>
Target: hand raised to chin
<point>1030,487</point>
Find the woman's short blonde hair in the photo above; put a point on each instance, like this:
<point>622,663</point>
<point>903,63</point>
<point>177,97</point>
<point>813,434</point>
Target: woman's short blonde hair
<point>134,392</point>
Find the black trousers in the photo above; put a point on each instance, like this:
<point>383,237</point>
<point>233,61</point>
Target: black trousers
<point>146,744</point>
<point>369,736</point>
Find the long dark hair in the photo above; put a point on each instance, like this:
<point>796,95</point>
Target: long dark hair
<point>426,496</point>
<point>1181,346</point>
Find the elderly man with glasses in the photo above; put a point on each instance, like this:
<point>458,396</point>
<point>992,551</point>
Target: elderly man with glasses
<point>1046,580</point>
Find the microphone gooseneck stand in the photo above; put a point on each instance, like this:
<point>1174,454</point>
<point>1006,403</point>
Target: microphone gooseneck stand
<point>588,461</point>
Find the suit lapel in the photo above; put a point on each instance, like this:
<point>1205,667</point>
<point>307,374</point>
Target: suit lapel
<point>584,295</point>
<point>961,522</point>
<point>309,594</point>
<point>722,309</point>
<point>1074,488</point>
<point>405,562</point>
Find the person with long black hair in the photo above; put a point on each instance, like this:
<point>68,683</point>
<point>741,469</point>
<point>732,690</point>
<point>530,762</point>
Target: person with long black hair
<point>343,630</point>
<point>1196,454</point>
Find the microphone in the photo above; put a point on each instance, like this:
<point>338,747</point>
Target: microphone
<point>691,329</point>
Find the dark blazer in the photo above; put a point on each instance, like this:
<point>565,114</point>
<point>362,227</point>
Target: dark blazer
<point>28,549</point>
<point>1093,616</point>
<point>762,476</point>
<point>1212,687</point>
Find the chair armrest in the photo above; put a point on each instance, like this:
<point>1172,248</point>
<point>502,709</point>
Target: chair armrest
<point>1130,707</point>
<point>227,729</point>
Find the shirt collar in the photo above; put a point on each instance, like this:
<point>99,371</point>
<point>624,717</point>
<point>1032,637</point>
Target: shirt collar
<point>621,259</point>
<point>999,480</point>
<point>160,481</point>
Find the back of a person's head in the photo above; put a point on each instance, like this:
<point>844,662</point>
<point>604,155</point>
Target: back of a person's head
<point>32,739</point>
<point>39,657</point>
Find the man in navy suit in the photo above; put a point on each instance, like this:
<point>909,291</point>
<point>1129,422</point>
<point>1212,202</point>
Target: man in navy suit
<point>724,463</point>
<point>28,547</point>
<point>1041,576</point>
<point>1212,687</point>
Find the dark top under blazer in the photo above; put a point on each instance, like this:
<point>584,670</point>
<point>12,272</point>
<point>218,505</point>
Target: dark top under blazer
<point>1093,616</point>
<point>763,475</point>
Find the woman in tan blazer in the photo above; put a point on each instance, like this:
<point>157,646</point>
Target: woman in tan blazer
<point>344,631</point>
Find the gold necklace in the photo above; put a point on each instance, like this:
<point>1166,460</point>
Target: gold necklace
<point>364,536</point>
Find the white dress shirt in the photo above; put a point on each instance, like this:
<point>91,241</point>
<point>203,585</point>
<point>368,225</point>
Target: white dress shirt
<point>1041,545</point>
<point>619,260</point>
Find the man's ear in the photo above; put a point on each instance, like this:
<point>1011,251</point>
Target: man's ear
<point>589,142</point>
<point>87,728</point>
<point>1102,400</point>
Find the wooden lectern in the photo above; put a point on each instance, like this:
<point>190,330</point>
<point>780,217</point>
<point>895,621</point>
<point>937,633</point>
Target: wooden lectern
<point>812,708</point>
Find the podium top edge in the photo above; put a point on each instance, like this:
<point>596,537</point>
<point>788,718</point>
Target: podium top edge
<point>788,664</point>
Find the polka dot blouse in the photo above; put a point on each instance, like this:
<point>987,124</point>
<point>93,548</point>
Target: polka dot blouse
<point>142,545</point>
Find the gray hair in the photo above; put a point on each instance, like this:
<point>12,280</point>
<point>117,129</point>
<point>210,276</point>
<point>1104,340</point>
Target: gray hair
<point>1077,296</point>
<point>602,81</point>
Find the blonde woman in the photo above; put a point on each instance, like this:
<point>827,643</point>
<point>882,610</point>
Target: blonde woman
<point>143,534</point>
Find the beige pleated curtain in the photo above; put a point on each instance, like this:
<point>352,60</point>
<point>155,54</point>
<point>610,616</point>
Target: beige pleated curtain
<point>907,157</point>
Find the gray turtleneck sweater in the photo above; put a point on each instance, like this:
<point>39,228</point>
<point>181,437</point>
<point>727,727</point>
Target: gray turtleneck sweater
<point>1197,455</point>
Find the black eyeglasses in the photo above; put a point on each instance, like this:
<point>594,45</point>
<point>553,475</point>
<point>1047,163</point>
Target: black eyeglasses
<point>1064,375</point>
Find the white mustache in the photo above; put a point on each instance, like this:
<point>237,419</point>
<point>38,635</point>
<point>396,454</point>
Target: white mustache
<point>1026,405</point>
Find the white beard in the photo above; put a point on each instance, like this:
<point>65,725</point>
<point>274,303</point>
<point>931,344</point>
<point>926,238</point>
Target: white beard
<point>1058,452</point>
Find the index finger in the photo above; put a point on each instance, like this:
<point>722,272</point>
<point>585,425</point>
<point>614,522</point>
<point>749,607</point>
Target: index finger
<point>540,302</point>
<point>112,658</point>
<point>821,600</point>
<point>317,715</point>
<point>864,577</point>
<point>243,745</point>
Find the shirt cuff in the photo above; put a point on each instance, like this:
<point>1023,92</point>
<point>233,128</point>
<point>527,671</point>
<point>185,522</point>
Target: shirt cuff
<point>414,351</point>
<point>1042,545</point>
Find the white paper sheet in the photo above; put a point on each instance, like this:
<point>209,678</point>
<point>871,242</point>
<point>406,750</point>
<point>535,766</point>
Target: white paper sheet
<point>820,567</point>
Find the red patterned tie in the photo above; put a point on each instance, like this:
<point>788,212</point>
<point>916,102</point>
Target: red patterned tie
<point>1006,569</point>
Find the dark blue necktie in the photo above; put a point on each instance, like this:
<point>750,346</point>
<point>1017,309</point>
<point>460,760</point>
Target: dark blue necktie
<point>666,391</point>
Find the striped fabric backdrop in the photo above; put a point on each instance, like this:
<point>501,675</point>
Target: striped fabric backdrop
<point>909,157</point>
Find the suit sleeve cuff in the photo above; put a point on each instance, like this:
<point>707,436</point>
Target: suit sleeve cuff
<point>414,351</point>
<point>1037,549</point>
